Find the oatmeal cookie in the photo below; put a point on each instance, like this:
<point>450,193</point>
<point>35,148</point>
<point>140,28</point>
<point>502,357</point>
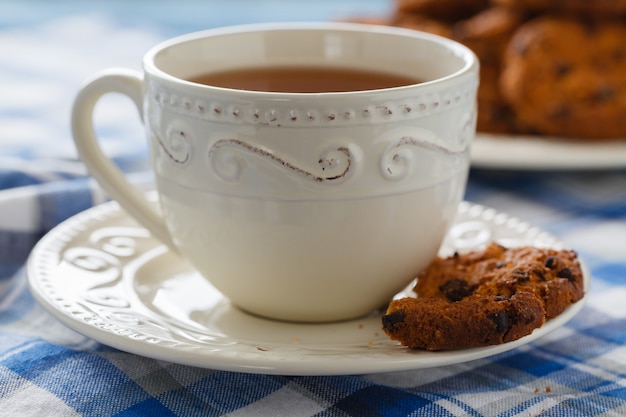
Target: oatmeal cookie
<point>496,294</point>
<point>496,117</point>
<point>587,8</point>
<point>369,20</point>
<point>487,34</point>
<point>422,23</point>
<point>448,10</point>
<point>566,77</point>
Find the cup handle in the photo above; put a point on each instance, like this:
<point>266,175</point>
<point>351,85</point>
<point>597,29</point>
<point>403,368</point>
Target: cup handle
<point>108,175</point>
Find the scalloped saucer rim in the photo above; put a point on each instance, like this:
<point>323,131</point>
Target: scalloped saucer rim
<point>104,276</point>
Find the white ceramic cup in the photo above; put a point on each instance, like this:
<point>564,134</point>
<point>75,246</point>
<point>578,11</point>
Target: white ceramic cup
<point>302,207</point>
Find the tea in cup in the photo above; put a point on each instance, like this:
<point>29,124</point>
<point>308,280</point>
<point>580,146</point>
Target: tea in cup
<point>308,171</point>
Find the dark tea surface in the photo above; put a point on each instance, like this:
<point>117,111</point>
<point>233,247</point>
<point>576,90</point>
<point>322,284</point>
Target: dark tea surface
<point>303,79</point>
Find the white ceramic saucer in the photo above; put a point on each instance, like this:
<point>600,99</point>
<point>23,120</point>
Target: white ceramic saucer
<point>104,276</point>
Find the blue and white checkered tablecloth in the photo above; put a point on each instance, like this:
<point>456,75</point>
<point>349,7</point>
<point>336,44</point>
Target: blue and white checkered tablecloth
<point>48,48</point>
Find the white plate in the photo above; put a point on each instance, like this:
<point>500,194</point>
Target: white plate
<point>105,277</point>
<point>539,153</point>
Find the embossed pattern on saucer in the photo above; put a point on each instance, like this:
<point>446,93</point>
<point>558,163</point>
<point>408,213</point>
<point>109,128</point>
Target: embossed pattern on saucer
<point>104,276</point>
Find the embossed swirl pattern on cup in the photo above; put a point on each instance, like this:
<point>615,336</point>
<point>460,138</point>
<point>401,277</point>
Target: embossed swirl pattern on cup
<point>175,118</point>
<point>227,157</point>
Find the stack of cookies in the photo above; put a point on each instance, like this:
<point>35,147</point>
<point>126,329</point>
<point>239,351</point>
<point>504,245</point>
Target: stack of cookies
<point>548,67</point>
